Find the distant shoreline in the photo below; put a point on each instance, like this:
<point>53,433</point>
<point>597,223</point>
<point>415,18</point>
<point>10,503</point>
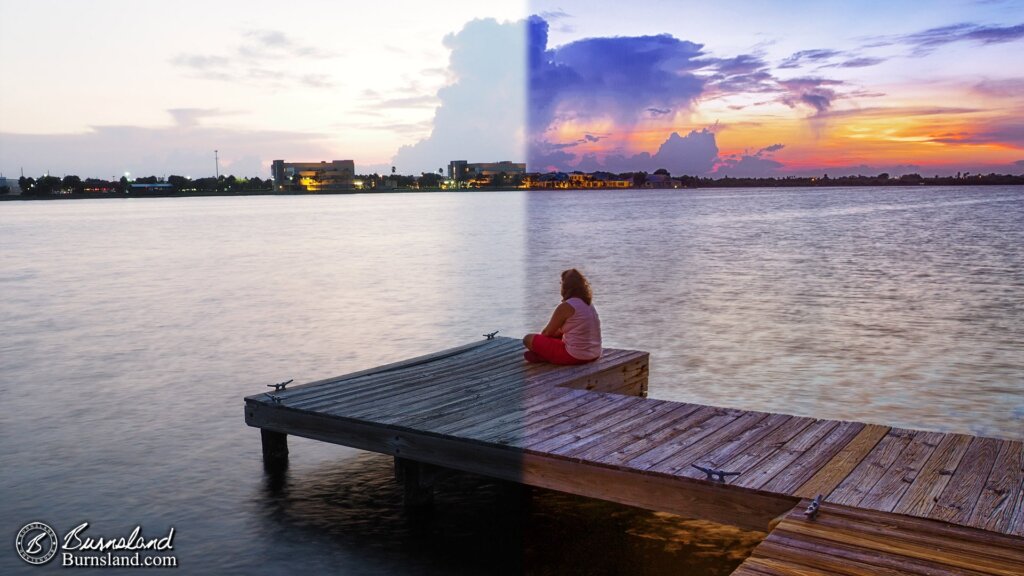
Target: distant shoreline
<point>706,186</point>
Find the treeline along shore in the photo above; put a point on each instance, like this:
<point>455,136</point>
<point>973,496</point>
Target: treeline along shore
<point>75,187</point>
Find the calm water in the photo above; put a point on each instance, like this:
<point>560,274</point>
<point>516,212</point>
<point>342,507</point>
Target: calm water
<point>132,329</point>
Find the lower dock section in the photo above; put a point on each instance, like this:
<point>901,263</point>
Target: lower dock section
<point>849,541</point>
<point>590,430</point>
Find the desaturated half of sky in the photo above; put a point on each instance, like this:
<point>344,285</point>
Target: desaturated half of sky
<point>736,87</point>
<point>105,87</point>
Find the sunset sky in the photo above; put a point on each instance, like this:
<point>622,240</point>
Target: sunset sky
<point>105,87</point>
<point>776,88</point>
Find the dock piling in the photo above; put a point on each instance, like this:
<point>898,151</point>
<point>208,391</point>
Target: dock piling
<point>275,446</point>
<point>418,480</point>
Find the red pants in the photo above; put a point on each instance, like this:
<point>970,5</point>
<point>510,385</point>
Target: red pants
<point>548,349</point>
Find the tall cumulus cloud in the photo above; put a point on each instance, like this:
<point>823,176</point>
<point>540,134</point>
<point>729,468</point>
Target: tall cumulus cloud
<point>482,113</point>
<point>625,81</point>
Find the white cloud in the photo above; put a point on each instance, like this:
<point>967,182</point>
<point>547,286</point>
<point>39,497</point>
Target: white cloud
<point>482,114</point>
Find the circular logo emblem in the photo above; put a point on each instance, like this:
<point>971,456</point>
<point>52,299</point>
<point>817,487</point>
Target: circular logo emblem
<point>36,543</point>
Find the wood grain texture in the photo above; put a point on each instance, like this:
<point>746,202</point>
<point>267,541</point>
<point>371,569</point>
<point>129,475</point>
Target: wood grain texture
<point>957,501</point>
<point>877,462</point>
<point>850,541</point>
<point>685,458</point>
<point>637,433</point>
<point>997,502</point>
<point>920,498</point>
<point>684,438</point>
<point>895,481</point>
<point>715,458</point>
<point>761,473</point>
<point>811,461</point>
<point>764,448</point>
<point>840,466</point>
<point>637,414</point>
<point>1016,523</point>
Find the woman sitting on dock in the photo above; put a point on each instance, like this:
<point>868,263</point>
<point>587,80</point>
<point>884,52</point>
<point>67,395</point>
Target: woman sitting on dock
<point>573,335</point>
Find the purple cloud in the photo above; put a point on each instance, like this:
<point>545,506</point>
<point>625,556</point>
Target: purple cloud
<point>862,62</point>
<point>1010,88</point>
<point>748,166</point>
<point>693,154</point>
<point>928,40</point>
<point>557,14</point>
<point>743,74</point>
<point>813,92</point>
<point>619,78</point>
<point>758,164</point>
<point>808,56</point>
<point>1010,133</point>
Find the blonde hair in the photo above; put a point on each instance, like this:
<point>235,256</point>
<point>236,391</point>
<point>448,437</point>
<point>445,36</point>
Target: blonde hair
<point>575,285</point>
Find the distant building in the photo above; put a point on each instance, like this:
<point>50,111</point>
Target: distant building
<point>313,176</point>
<point>155,188</point>
<point>660,181</point>
<point>576,180</point>
<point>462,171</point>
<point>11,184</point>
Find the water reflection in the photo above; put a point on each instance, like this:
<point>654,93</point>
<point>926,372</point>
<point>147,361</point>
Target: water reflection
<point>483,526</point>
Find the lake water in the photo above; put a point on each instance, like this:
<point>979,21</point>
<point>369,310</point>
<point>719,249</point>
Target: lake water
<point>133,328</point>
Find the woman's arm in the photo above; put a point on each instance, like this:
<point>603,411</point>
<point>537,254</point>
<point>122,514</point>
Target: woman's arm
<point>562,312</point>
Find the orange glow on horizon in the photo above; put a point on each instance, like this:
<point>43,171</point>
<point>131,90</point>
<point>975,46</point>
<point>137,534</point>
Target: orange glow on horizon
<point>871,137</point>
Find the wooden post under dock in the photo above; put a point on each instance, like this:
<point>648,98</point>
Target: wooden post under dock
<point>275,445</point>
<point>590,430</point>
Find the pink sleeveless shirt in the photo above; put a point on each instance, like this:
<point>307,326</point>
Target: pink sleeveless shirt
<point>582,331</point>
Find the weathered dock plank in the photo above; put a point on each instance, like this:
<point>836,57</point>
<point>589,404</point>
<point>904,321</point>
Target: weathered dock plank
<point>763,471</point>
<point>895,481</point>
<point>851,541</point>
<point>372,385</point>
<point>998,498</point>
<point>920,499</point>
<point>645,412</point>
<point>856,486</point>
<point>590,428</point>
<point>635,434</point>
<point>957,501</point>
<point>831,474</point>
<point>624,454</point>
<point>715,457</point>
<point>790,478</point>
<point>684,438</point>
<point>684,458</point>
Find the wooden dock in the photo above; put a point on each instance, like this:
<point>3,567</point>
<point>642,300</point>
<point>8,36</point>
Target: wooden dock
<point>853,541</point>
<point>590,430</point>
